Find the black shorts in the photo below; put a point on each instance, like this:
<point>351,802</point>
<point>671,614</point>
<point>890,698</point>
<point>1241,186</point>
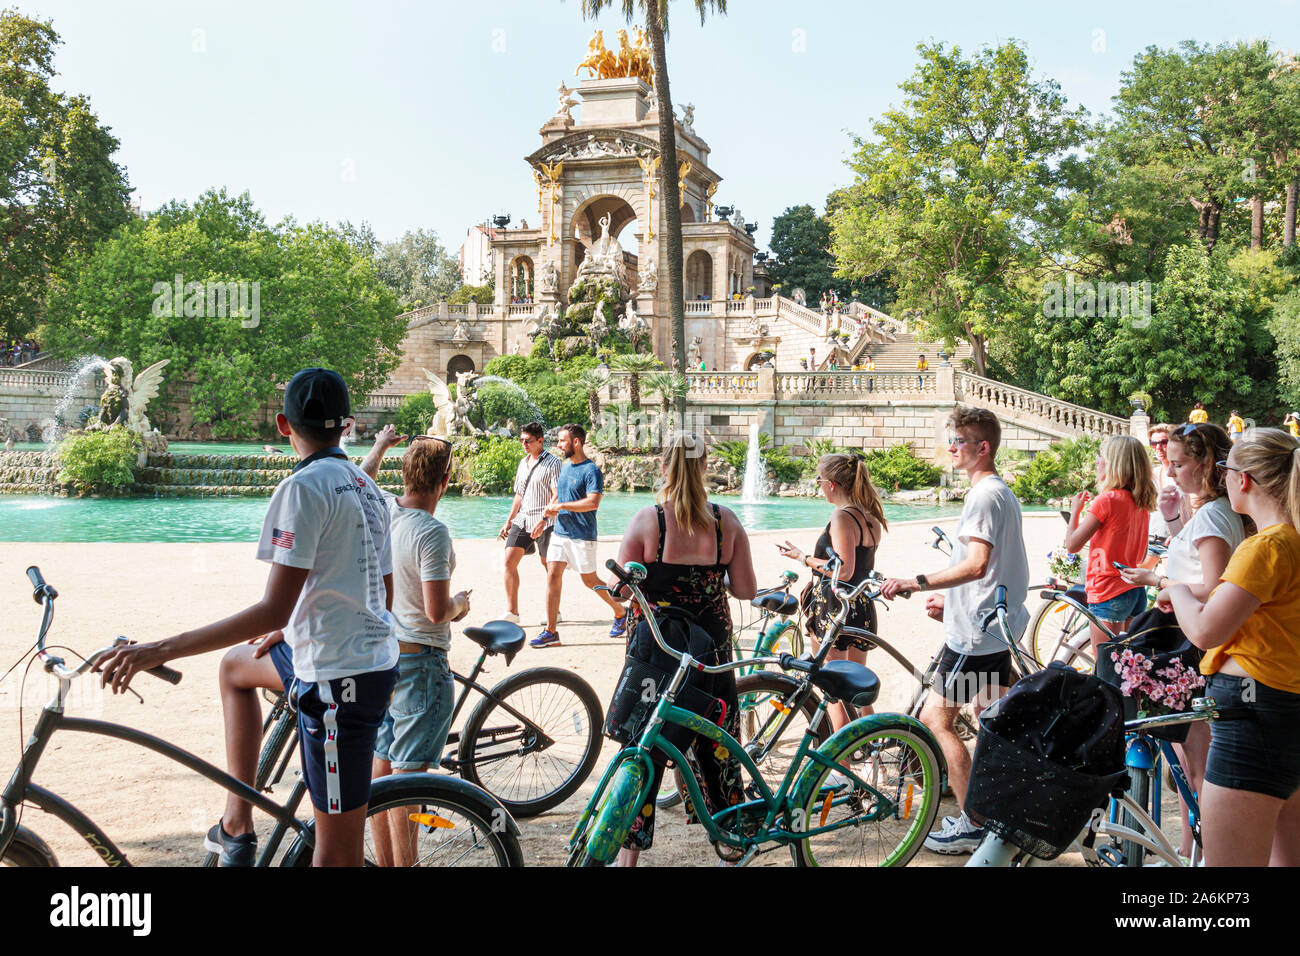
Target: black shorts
<point>960,678</point>
<point>520,538</point>
<point>1260,750</point>
<point>338,722</point>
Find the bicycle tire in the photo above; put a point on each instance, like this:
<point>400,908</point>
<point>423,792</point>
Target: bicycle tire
<point>27,849</point>
<point>1139,790</point>
<point>670,794</point>
<point>772,692</point>
<point>531,783</point>
<point>483,833</point>
<point>896,757</point>
<point>1049,638</point>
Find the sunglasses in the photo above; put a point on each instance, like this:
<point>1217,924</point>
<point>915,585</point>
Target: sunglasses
<point>1160,444</point>
<point>415,438</point>
<point>1224,464</point>
<point>1188,429</point>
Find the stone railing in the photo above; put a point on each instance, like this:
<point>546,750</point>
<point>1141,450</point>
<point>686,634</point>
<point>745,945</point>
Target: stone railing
<point>860,310</point>
<point>28,378</point>
<point>527,308</point>
<point>720,384</point>
<point>796,385</point>
<point>807,319</point>
<point>739,305</point>
<point>383,400</point>
<point>1063,417</point>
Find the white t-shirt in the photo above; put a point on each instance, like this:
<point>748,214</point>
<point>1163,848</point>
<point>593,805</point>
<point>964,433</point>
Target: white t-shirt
<point>330,517</point>
<point>421,546</point>
<point>1157,526</point>
<point>1214,519</point>
<point>991,514</point>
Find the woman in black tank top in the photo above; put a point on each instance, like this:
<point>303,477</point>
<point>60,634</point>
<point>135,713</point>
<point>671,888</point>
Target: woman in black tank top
<point>710,557</point>
<point>854,532</point>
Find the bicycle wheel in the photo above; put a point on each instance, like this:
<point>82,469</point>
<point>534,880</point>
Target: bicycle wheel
<point>1059,633</point>
<point>1139,790</point>
<point>27,849</point>
<point>898,761</point>
<point>528,774</point>
<point>670,793</point>
<point>765,699</point>
<point>438,821</point>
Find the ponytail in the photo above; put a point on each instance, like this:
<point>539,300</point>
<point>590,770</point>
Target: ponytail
<point>851,473</point>
<point>1272,457</point>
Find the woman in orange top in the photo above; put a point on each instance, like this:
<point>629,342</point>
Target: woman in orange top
<point>1250,628</point>
<point>1115,530</point>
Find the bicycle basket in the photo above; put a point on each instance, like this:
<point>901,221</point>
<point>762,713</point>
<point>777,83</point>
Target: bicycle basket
<point>1048,753</point>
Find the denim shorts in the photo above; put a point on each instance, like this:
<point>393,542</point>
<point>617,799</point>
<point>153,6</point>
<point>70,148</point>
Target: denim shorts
<point>414,731</point>
<point>1121,607</point>
<point>1259,752</point>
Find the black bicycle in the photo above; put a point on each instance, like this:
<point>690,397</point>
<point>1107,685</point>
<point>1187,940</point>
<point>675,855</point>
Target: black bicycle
<point>449,822</point>
<point>531,741</point>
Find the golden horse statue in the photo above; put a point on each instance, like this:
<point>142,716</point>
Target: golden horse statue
<point>631,59</point>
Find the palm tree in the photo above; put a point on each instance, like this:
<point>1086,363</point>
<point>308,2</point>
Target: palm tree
<point>669,386</point>
<point>636,365</point>
<point>591,382</point>
<point>656,23</point>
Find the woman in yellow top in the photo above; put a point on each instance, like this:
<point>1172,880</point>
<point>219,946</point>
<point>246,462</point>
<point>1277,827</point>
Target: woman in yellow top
<point>1199,415</point>
<point>1250,628</point>
<point>1292,423</point>
<point>1236,425</point>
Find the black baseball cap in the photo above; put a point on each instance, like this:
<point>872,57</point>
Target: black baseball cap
<point>317,398</point>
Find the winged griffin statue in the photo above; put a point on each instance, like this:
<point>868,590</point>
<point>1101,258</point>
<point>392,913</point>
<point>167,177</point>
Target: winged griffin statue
<point>125,399</point>
<point>451,417</point>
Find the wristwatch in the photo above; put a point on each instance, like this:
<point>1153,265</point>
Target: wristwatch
<point>920,579</point>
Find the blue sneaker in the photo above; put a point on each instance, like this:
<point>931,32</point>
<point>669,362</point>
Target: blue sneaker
<point>545,639</point>
<point>620,627</point>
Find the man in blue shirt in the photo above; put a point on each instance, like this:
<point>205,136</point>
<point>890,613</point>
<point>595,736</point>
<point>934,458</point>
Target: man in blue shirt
<point>573,541</point>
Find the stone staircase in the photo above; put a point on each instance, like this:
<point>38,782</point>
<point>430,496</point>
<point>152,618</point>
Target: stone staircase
<point>28,473</point>
<point>210,476</point>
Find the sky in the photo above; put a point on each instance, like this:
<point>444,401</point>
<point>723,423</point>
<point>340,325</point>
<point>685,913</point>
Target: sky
<point>417,113</point>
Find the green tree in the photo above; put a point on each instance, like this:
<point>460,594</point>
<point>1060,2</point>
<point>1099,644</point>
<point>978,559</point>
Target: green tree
<point>418,268</point>
<point>482,294</point>
<point>318,302</point>
<point>956,191</point>
<point>60,190</point>
<point>636,365</point>
<point>801,242</point>
<point>656,20</point>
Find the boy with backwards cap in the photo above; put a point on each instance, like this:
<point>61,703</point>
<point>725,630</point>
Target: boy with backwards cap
<point>328,633</point>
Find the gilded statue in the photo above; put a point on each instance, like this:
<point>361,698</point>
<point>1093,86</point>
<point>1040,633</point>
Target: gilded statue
<point>630,59</point>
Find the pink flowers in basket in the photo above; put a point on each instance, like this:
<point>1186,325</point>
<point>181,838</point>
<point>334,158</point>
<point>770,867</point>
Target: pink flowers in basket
<point>1140,678</point>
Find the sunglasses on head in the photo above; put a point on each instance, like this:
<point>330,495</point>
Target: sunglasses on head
<point>1185,430</point>
<point>415,438</point>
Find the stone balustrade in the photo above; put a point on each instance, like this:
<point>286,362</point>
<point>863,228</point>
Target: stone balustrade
<point>1064,417</point>
<point>801,385</point>
<point>32,378</point>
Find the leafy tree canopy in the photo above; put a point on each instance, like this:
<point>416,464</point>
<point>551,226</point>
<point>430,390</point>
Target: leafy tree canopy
<point>266,301</point>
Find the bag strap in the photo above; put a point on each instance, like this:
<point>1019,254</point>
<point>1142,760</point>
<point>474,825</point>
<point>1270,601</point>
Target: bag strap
<point>540,459</point>
<point>717,521</point>
<point>663,528</point>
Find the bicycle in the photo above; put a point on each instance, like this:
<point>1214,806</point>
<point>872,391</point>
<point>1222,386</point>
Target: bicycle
<point>775,632</point>
<point>891,767</point>
<point>531,741</point>
<point>452,822</point>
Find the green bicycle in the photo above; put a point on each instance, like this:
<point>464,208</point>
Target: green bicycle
<point>876,811</point>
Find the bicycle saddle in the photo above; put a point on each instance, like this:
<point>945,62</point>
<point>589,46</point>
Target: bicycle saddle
<point>778,602</point>
<point>498,637</point>
<point>847,681</point>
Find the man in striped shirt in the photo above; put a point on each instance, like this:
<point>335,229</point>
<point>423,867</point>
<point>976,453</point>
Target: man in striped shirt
<point>528,529</point>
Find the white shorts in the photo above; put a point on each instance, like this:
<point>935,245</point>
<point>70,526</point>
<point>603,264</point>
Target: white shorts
<point>577,554</point>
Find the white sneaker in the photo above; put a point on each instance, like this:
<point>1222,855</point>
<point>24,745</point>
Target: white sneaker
<point>836,780</point>
<point>545,623</point>
<point>961,836</point>
<point>512,618</point>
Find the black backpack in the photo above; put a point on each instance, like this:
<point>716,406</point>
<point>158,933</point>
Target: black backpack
<point>647,672</point>
<point>1049,752</point>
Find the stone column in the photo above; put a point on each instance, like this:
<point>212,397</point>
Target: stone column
<point>766,384</point>
<point>946,386</point>
<point>1138,424</point>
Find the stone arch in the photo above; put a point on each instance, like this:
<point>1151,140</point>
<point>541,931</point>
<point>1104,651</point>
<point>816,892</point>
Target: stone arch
<point>521,279</point>
<point>622,205</point>
<point>753,361</point>
<point>688,212</point>
<point>698,275</point>
<point>458,364</point>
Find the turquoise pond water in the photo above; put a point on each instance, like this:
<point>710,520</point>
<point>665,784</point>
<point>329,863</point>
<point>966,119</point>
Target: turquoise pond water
<point>30,519</point>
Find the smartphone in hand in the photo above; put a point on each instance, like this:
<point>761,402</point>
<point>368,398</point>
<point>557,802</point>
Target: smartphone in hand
<point>1120,567</point>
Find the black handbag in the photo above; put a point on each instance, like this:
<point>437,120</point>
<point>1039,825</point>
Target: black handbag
<point>1155,634</point>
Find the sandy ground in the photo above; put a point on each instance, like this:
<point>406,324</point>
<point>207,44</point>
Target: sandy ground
<point>157,811</point>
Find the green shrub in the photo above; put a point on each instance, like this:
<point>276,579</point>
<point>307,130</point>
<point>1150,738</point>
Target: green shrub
<point>518,368</point>
<point>817,447</point>
<point>786,468</point>
<point>98,461</point>
<point>498,404</point>
<point>1061,471</point>
<point>561,404</point>
<point>415,414</point>
<point>732,452</point>
<point>492,467</point>
<point>898,469</point>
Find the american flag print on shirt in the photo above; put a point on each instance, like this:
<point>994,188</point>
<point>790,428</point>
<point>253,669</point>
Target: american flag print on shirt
<point>282,539</point>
